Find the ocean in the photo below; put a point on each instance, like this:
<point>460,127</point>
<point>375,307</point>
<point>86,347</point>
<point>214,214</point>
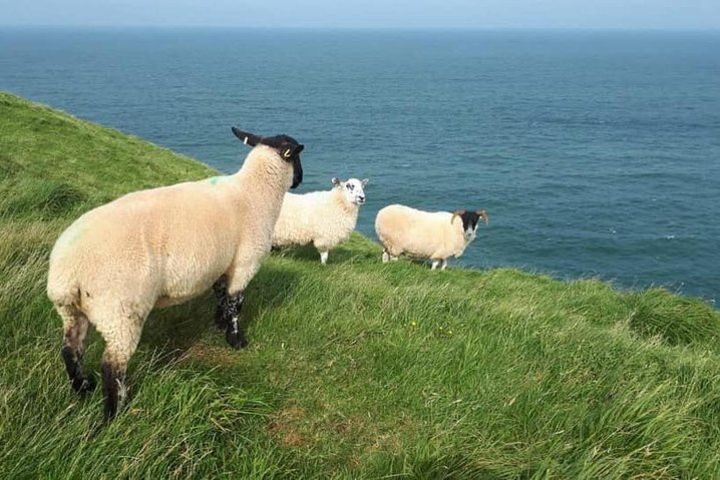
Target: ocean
<point>596,153</point>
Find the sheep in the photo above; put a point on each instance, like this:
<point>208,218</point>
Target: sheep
<point>322,218</point>
<point>433,235</point>
<point>162,247</point>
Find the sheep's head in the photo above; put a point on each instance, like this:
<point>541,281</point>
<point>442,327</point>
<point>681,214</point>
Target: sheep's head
<point>353,189</point>
<point>470,222</point>
<point>287,147</point>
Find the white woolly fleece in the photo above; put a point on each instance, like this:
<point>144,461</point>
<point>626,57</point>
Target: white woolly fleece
<point>324,219</point>
<point>428,235</point>
<point>163,246</point>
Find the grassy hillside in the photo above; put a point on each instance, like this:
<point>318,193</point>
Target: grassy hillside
<point>354,370</point>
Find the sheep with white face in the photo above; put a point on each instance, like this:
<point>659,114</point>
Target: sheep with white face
<point>322,218</point>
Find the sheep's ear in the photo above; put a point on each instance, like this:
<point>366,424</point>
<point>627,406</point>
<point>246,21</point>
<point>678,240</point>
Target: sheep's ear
<point>484,215</point>
<point>456,213</point>
<point>292,150</point>
<point>336,182</point>
<point>246,137</point>
<point>364,182</point>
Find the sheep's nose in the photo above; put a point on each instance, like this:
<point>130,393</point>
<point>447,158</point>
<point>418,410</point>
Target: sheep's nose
<point>361,199</point>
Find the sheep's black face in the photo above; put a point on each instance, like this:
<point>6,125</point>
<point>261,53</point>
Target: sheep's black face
<point>470,221</point>
<point>288,148</point>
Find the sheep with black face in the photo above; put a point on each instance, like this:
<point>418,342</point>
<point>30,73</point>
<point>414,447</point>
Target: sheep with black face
<point>428,235</point>
<point>162,247</point>
<point>322,218</point>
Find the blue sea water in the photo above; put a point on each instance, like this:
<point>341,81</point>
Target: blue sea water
<point>596,153</point>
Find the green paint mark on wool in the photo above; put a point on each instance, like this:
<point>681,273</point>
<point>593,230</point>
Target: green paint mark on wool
<point>218,180</point>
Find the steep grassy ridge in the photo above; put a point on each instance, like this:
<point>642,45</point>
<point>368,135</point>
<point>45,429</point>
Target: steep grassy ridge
<point>357,369</point>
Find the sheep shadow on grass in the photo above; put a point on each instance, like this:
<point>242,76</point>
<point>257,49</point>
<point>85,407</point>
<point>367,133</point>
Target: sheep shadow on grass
<point>306,253</point>
<point>271,287</point>
<point>342,253</point>
<point>186,329</point>
<point>175,330</point>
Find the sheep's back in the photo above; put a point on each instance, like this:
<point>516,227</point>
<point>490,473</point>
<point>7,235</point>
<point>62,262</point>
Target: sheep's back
<point>162,240</point>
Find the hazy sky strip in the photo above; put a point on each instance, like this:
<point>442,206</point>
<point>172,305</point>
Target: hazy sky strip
<point>623,14</point>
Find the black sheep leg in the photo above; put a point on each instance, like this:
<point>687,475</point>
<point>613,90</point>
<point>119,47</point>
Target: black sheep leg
<point>220,289</point>
<point>73,365</point>
<point>234,333</point>
<point>114,388</point>
<point>75,330</point>
<point>121,336</point>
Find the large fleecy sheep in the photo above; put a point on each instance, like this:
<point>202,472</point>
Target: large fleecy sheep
<point>162,247</point>
<point>428,235</point>
<point>322,218</point>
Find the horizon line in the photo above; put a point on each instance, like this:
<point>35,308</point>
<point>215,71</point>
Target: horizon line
<point>361,28</point>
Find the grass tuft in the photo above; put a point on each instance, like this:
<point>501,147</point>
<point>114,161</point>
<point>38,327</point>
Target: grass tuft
<point>677,321</point>
<point>46,199</point>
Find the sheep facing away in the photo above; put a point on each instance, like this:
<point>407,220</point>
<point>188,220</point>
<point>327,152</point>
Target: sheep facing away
<point>322,218</point>
<point>162,247</point>
<point>433,235</point>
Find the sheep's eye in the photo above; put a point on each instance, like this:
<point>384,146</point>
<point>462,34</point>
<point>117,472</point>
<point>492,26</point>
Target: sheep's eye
<point>350,186</point>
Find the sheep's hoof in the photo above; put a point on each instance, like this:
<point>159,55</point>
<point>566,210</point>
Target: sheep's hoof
<point>235,339</point>
<point>83,386</point>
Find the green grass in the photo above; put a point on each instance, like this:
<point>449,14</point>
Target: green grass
<point>354,370</point>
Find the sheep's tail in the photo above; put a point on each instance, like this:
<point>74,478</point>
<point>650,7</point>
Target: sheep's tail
<point>63,287</point>
<point>66,296</point>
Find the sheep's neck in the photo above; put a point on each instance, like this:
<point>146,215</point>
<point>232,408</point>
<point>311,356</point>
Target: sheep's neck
<point>266,177</point>
<point>262,183</point>
<point>349,208</point>
<point>457,240</point>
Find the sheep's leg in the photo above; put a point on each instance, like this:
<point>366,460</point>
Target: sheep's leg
<point>444,264</point>
<point>435,264</point>
<point>220,290</point>
<point>323,257</point>
<point>389,257</point>
<point>234,333</point>
<point>238,277</point>
<point>75,325</point>
<point>114,387</point>
<point>121,339</point>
